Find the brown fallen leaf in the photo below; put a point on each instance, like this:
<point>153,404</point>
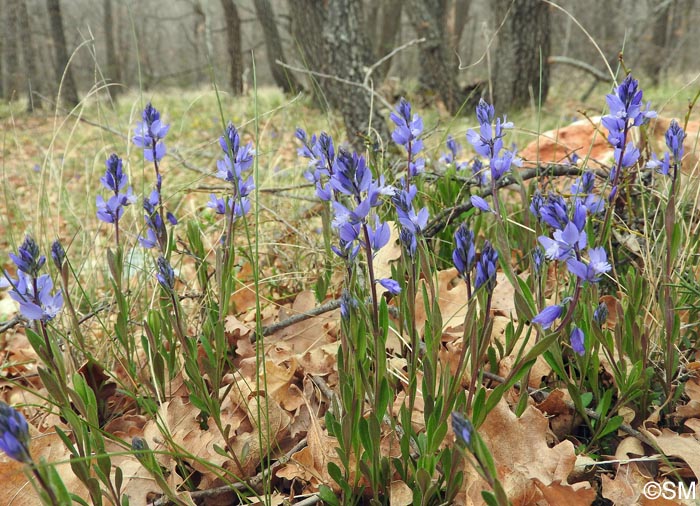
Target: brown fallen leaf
<point>524,460</point>
<point>310,464</point>
<point>683,446</point>
<point>16,489</point>
<point>557,494</point>
<point>400,494</point>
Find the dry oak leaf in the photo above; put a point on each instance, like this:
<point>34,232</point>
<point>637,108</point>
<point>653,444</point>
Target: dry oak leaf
<point>308,334</point>
<point>525,462</point>
<point>557,494</point>
<point>627,488</point>
<point>310,464</point>
<point>400,494</point>
<point>16,489</point>
<point>683,446</point>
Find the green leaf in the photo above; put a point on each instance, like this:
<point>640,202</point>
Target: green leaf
<point>327,495</point>
<point>612,425</point>
<point>489,498</point>
<point>335,473</point>
<point>586,399</point>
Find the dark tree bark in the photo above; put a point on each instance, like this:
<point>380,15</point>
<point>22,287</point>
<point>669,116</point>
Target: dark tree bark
<point>69,90</point>
<point>309,44</point>
<point>13,76</point>
<point>273,46</point>
<point>113,67</point>
<point>234,45</point>
<point>659,40</point>
<point>456,20</point>
<point>389,26</point>
<point>29,56</point>
<point>437,74</point>
<point>347,53</point>
<point>517,71</point>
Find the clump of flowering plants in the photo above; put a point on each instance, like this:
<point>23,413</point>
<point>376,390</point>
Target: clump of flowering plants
<point>413,394</point>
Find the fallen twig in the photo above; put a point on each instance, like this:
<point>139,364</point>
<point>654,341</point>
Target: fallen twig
<point>450,214</point>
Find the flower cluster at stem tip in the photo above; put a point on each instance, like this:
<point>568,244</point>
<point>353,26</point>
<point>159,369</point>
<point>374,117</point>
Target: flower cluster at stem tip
<point>150,133</point>
<point>111,210</point>
<point>33,292</point>
<point>626,111</point>
<point>14,434</point>
<point>237,160</point>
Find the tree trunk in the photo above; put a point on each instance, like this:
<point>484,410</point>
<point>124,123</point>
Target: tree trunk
<point>234,45</point>
<point>347,53</point>
<point>273,46</point>
<point>309,44</point>
<point>659,39</point>
<point>12,77</point>
<point>456,21</point>
<point>113,68</point>
<point>64,74</point>
<point>29,56</point>
<point>389,28</point>
<point>437,75</point>
<point>519,71</point>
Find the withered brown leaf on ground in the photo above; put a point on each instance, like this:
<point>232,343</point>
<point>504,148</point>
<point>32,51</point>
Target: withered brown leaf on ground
<point>525,462</point>
<point>16,488</point>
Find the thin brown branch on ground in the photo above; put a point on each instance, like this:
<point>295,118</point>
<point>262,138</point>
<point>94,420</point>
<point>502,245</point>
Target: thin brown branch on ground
<point>449,215</point>
<point>242,486</point>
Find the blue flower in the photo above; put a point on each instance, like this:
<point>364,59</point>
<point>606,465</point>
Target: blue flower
<point>661,166</point>
<point>674,140</point>
<point>565,243</point>
<point>629,157</point>
<point>592,271</point>
<point>583,184</point>
<point>462,428</point>
<point>149,133</point>
<point>450,157</point>
<point>479,173</point>
<point>351,175</point>
<point>489,141</point>
<point>538,260</point>
<point>165,275</point>
<point>414,222</point>
<point>155,232</point>
<point>577,340</point>
<point>14,434</point>
<point>114,178</point>
<point>626,103</point>
<point>58,255</point>
<point>391,285</point>
<point>480,203</point>
<point>29,259</point>
<point>39,304</point>
<point>409,241</point>
<point>347,304</point>
<point>553,211</point>
<point>408,129</point>
<point>486,268</point>
<point>600,315</point>
<point>379,236</point>
<point>150,240</point>
<point>548,315</point>
<point>464,254</point>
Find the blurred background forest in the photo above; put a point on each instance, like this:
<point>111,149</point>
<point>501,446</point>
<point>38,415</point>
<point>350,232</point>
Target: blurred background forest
<point>449,48</point>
